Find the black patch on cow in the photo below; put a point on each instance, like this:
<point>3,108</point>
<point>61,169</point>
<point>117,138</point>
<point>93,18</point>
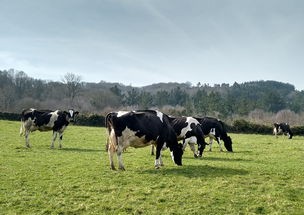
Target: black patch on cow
<point>61,121</point>
<point>41,118</point>
<point>208,123</point>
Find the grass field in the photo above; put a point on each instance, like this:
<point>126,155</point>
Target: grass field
<point>264,175</point>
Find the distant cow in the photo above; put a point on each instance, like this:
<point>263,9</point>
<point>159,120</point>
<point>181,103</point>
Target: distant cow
<point>139,129</point>
<point>46,120</point>
<point>282,128</point>
<point>186,127</point>
<point>215,130</point>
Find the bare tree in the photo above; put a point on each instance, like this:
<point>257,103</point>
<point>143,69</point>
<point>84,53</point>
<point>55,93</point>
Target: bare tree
<point>73,85</point>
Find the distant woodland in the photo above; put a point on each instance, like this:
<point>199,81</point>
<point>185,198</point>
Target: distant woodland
<point>257,101</point>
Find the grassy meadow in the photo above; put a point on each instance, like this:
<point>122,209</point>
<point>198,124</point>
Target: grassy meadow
<point>264,175</point>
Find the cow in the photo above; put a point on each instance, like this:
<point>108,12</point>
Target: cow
<point>186,127</point>
<point>139,129</point>
<point>46,120</point>
<point>282,128</point>
<point>215,130</point>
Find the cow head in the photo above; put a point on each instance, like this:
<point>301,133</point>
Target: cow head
<point>71,115</point>
<point>228,144</point>
<point>177,153</point>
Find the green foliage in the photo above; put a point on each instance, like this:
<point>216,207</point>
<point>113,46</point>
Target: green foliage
<point>10,116</point>
<point>298,130</point>
<point>263,176</point>
<point>18,91</point>
<point>243,126</point>
<point>90,120</point>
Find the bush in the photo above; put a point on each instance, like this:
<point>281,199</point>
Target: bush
<point>298,130</point>
<point>10,116</point>
<point>86,120</point>
<point>243,126</point>
<point>91,120</point>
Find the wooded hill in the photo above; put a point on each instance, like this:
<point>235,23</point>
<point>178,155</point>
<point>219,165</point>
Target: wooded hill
<point>256,99</point>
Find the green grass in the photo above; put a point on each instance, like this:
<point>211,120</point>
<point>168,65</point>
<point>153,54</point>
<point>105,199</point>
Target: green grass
<point>264,175</point>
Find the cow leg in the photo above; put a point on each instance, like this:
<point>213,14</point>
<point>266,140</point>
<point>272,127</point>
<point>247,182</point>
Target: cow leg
<point>220,144</point>
<point>152,150</point>
<point>60,139</point>
<point>27,142</point>
<point>22,129</point>
<point>191,141</point>
<point>119,157</point>
<point>161,160</point>
<point>192,147</point>
<point>158,161</point>
<point>53,139</point>
<point>185,142</point>
<point>210,143</point>
<point>111,152</point>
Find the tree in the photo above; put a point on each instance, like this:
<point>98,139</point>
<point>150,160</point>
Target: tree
<point>132,97</point>
<point>73,85</point>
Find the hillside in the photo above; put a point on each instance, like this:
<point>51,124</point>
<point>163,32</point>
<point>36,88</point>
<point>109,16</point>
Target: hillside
<point>18,91</point>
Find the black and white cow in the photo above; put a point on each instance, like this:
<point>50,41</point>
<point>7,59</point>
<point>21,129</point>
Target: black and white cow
<point>139,129</point>
<point>186,127</point>
<point>282,128</point>
<point>215,130</point>
<point>46,120</point>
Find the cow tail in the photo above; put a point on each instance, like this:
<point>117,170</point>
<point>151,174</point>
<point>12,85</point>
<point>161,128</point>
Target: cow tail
<point>112,138</point>
<point>22,129</point>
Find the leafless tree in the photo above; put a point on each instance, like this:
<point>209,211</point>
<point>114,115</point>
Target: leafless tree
<point>73,85</point>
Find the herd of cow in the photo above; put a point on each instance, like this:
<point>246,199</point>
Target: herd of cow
<point>141,128</point>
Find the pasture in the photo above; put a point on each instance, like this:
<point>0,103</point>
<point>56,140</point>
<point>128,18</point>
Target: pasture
<point>264,175</point>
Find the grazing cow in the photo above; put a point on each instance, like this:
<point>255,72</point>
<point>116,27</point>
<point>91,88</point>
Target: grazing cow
<point>186,127</point>
<point>139,129</point>
<point>46,120</point>
<point>215,130</point>
<point>282,128</point>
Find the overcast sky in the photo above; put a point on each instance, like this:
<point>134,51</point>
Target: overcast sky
<point>141,42</point>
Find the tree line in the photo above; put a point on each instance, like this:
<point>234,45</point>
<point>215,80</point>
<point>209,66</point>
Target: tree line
<point>253,100</point>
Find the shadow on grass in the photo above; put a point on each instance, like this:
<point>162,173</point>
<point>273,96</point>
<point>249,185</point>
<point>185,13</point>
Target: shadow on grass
<point>224,159</point>
<point>192,171</point>
<point>80,150</point>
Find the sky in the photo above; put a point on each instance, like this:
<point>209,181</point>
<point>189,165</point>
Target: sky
<point>141,42</point>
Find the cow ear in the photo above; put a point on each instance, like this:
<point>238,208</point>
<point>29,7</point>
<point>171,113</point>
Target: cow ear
<point>76,112</point>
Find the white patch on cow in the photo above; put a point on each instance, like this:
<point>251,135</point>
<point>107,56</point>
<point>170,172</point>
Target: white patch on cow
<point>189,121</point>
<point>158,162</point>
<point>160,115</point>
<point>191,141</point>
<point>51,123</point>
<point>121,113</point>
<point>212,131</point>
<point>172,155</point>
<point>129,138</point>
<point>71,113</point>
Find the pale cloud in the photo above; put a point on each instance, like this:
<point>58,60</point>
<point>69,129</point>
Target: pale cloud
<point>141,42</point>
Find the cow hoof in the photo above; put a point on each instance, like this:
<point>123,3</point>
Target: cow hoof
<point>195,156</point>
<point>157,167</point>
<point>122,168</point>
